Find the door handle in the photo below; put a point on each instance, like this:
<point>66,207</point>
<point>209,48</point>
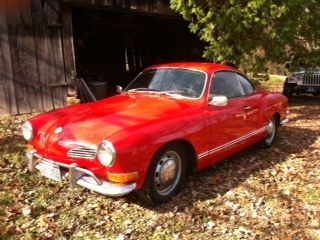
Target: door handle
<point>246,108</point>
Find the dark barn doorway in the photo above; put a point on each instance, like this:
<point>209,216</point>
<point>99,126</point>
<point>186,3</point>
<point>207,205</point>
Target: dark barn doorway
<point>113,47</point>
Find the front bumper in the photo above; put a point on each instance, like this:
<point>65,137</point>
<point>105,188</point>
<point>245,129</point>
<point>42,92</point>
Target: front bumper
<point>82,177</point>
<point>307,88</point>
<point>284,122</point>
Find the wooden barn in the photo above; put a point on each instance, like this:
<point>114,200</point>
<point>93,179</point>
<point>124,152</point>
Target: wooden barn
<point>46,45</point>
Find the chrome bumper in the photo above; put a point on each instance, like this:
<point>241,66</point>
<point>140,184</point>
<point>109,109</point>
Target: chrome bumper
<point>284,122</point>
<point>82,177</point>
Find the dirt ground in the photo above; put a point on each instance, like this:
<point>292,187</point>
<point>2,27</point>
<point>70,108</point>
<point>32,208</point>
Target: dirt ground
<point>257,194</point>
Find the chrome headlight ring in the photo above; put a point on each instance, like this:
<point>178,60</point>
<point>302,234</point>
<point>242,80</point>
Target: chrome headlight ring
<point>27,131</point>
<point>106,153</point>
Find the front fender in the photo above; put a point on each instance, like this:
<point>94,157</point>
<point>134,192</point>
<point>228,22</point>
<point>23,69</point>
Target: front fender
<point>136,147</point>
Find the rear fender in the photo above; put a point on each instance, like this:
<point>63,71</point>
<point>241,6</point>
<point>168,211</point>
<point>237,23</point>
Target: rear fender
<point>273,104</point>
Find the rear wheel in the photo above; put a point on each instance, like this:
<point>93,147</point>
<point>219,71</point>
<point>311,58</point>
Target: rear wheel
<point>272,129</point>
<point>166,174</point>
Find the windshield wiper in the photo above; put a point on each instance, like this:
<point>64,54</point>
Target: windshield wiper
<point>173,92</point>
<point>177,93</point>
<point>143,90</point>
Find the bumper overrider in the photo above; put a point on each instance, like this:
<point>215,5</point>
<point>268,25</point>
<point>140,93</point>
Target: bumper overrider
<point>79,176</point>
<point>284,122</point>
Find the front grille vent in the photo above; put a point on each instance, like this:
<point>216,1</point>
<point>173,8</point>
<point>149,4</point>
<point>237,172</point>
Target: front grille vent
<point>311,79</point>
<point>83,152</point>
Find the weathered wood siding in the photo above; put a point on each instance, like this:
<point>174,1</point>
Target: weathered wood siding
<point>36,55</point>
<point>7,92</point>
<point>37,63</point>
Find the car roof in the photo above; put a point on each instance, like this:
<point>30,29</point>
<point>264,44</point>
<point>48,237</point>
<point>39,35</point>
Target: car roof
<point>202,66</point>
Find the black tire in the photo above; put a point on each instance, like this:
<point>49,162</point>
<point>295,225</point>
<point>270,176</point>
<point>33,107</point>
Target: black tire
<point>272,130</point>
<point>287,90</point>
<point>161,183</point>
<point>316,94</point>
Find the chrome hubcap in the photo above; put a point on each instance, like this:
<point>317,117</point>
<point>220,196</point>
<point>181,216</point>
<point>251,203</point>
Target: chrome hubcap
<point>167,173</point>
<point>271,131</point>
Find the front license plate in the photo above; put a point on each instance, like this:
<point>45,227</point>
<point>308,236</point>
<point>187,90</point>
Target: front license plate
<point>49,170</point>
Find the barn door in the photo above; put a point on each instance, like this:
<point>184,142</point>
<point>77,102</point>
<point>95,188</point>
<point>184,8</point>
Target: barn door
<point>47,24</point>
<point>36,55</point>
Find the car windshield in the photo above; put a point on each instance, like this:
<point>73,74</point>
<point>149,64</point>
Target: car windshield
<point>181,82</point>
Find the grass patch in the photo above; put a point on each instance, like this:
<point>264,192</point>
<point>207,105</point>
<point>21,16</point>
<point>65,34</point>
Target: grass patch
<point>273,82</point>
<point>5,199</point>
<point>2,213</point>
<point>312,196</point>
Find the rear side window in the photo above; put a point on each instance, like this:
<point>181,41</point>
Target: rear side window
<point>227,84</point>
<point>245,84</point>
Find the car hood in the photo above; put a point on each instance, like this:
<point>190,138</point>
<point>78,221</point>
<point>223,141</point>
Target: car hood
<point>97,121</point>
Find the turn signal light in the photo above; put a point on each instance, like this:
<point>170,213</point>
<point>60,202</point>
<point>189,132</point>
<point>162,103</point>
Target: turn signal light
<point>123,177</point>
<point>29,147</point>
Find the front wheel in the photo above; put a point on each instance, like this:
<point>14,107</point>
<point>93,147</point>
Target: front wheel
<point>272,130</point>
<point>166,174</point>
<point>288,90</point>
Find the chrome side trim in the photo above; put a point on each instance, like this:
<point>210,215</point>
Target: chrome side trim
<point>284,122</point>
<point>83,177</point>
<point>228,144</point>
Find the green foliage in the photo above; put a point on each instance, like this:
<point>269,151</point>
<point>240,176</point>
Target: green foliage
<point>255,31</point>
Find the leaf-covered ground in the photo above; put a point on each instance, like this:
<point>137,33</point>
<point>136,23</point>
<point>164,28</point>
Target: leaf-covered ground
<point>257,194</point>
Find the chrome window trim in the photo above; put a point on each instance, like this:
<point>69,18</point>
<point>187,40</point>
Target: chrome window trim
<point>236,72</point>
<point>243,92</point>
<point>229,71</point>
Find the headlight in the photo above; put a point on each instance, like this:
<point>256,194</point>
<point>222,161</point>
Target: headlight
<point>27,131</point>
<point>292,80</point>
<point>106,153</point>
<point>299,79</point>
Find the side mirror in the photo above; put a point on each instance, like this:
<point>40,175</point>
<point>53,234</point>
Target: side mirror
<point>219,101</point>
<point>119,89</point>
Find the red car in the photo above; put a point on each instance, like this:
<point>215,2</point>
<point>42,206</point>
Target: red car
<point>172,119</point>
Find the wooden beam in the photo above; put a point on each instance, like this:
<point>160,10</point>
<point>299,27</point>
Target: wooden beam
<point>68,46</point>
<point>141,7</point>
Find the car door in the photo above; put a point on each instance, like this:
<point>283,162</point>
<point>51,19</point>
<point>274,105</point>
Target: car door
<point>251,100</point>
<point>226,124</point>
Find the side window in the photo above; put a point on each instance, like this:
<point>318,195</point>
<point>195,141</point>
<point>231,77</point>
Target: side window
<point>245,84</point>
<point>225,83</point>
